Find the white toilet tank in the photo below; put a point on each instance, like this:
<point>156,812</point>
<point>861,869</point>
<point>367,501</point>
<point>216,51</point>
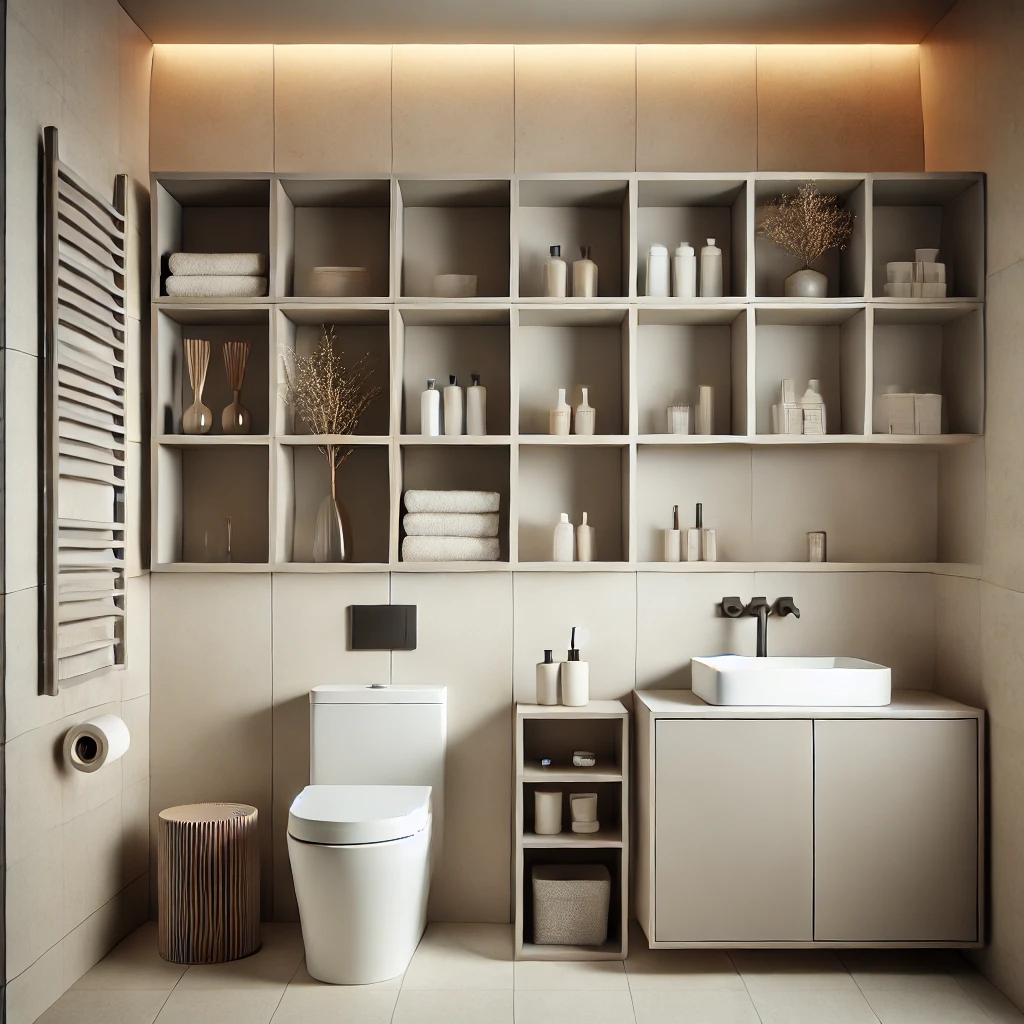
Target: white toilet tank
<point>380,736</point>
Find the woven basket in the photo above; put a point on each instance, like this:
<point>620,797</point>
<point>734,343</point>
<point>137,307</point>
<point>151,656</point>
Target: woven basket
<point>570,904</point>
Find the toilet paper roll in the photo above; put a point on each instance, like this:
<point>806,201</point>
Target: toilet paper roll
<point>90,745</point>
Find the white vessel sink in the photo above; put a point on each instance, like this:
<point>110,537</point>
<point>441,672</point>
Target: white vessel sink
<point>791,682</point>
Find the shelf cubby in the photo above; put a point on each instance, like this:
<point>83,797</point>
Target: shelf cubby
<point>846,270</point>
<point>200,487</point>
<point>944,212</point>
<point>364,486</point>
<point>680,349</point>
<point>442,340</point>
<point>575,212</point>
<point>939,351</point>
<point>575,478</point>
<point>207,213</point>
<point>671,210</point>
<point>457,226</point>
<point>826,343</point>
<point>332,222</point>
<point>573,347</point>
<point>171,387</point>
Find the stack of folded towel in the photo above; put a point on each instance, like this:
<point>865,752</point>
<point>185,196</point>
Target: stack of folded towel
<point>210,275</point>
<point>451,526</point>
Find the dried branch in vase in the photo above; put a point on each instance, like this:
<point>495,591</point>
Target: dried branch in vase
<point>327,394</point>
<point>808,224</point>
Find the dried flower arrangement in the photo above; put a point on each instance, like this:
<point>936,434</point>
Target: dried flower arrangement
<point>808,224</point>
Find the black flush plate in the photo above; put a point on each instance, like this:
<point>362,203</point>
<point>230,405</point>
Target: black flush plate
<point>383,627</point>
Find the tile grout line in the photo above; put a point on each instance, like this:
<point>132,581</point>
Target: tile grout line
<point>863,994</point>
<point>757,1012</point>
<point>956,978</point>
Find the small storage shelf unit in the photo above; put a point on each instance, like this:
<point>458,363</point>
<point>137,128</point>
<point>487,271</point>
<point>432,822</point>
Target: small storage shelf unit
<point>541,731</point>
<point>636,355</point>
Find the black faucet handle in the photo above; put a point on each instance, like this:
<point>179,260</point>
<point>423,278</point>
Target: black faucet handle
<point>732,607</point>
<point>786,606</point>
<point>757,604</point>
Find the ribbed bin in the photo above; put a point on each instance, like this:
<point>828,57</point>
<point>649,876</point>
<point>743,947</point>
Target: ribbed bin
<point>570,904</point>
<point>208,866</point>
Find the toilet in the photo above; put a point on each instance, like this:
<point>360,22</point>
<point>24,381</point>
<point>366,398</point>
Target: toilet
<point>364,835</point>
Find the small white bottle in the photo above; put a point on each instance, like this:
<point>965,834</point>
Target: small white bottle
<point>430,410</point>
<point>584,275</point>
<point>565,542</point>
<point>547,680</point>
<point>673,539</point>
<point>711,270</point>
<point>476,408</point>
<point>709,545</point>
<point>453,407</point>
<point>560,417</point>
<point>658,271</point>
<point>556,274</point>
<point>693,536</point>
<point>575,676</point>
<point>584,541</point>
<point>586,416</point>
<point>684,276</point>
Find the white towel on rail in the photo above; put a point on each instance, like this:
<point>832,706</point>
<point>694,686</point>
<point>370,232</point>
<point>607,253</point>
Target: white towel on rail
<point>451,524</point>
<point>199,287</point>
<point>451,549</point>
<point>452,501</point>
<point>218,264</point>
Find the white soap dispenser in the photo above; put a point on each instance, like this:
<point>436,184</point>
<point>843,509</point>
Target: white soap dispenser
<point>476,408</point>
<point>453,407</point>
<point>584,275</point>
<point>658,271</point>
<point>556,274</point>
<point>547,680</point>
<point>564,545</point>
<point>575,678</point>
<point>711,271</point>
<point>430,410</point>
<point>584,541</point>
<point>684,276</point>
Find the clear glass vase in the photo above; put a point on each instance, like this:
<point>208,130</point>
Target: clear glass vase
<point>333,536</point>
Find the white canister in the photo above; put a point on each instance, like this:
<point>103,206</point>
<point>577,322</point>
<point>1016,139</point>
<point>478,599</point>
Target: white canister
<point>575,676</point>
<point>711,279</point>
<point>583,806</point>
<point>658,271</point>
<point>547,680</point>
<point>547,812</point>
<point>684,266</point>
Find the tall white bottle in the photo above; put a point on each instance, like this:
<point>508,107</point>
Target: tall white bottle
<point>584,541</point>
<point>556,274</point>
<point>684,272</point>
<point>564,545</point>
<point>430,410</point>
<point>658,271</point>
<point>476,408</point>
<point>575,677</point>
<point>547,680</point>
<point>453,407</point>
<point>711,270</point>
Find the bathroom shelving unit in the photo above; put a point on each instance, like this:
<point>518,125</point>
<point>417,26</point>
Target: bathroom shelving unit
<point>635,353</point>
<point>540,731</point>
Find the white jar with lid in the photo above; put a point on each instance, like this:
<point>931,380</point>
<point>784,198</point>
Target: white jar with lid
<point>658,271</point>
<point>684,266</point>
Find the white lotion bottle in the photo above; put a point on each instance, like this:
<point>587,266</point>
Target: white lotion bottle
<point>476,408</point>
<point>693,536</point>
<point>575,678</point>
<point>711,271</point>
<point>684,267</point>
<point>560,417</point>
<point>584,541</point>
<point>673,539</point>
<point>430,410</point>
<point>584,275</point>
<point>453,407</point>
<point>658,271</point>
<point>586,416</point>
<point>556,274</point>
<point>565,542</point>
<point>547,680</point>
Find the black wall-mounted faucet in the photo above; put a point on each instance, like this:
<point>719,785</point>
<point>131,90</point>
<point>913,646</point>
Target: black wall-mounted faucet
<point>734,608</point>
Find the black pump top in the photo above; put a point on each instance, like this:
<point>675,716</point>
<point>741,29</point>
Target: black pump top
<point>476,379</point>
<point>549,658</point>
<point>700,515</point>
<point>451,380</point>
<point>431,383</point>
<point>555,250</point>
<point>574,654</point>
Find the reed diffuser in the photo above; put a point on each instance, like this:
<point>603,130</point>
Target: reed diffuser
<point>198,419</point>
<point>235,418</point>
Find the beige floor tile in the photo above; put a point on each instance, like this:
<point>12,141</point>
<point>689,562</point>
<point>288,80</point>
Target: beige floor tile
<point>470,957</point>
<point>781,970</point>
<point>465,1007</point>
<point>694,1008</point>
<point>570,976</point>
<point>80,1007</point>
<point>302,979</point>
<point>924,1008</point>
<point>271,968</point>
<point>986,995</point>
<point>220,1006</point>
<point>134,963</point>
<point>574,1008</point>
<point>795,1007</point>
<point>681,969</point>
<point>309,1002</point>
<point>911,969</point>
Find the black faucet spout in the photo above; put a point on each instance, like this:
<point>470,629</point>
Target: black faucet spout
<point>760,607</point>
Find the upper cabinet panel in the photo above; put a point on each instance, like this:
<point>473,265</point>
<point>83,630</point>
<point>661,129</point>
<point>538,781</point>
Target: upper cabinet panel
<point>332,109</point>
<point>454,110</point>
<point>212,108</point>
<point>575,108</point>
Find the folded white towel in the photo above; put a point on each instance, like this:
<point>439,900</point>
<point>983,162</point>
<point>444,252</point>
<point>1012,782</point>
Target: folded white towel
<point>451,501</point>
<point>220,264</point>
<point>451,549</point>
<point>199,287</point>
<point>451,524</point>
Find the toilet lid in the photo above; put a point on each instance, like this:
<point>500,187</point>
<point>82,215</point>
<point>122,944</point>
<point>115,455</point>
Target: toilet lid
<point>354,815</point>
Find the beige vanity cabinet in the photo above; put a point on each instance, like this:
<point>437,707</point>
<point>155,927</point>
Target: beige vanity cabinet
<point>804,827</point>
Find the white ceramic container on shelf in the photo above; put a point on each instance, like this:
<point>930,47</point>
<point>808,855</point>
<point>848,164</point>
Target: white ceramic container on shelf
<point>711,274</point>
<point>658,271</point>
<point>455,286</point>
<point>586,416</point>
<point>806,284</point>
<point>339,282</point>
<point>684,272</point>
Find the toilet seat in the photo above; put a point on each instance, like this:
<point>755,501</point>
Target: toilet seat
<point>358,815</point>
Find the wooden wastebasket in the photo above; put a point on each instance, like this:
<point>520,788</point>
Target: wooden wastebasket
<point>208,866</point>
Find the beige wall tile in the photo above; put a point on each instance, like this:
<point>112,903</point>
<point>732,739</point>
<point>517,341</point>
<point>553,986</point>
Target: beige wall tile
<point>135,762</point>
<point>958,639</point>
<point>21,471</point>
<point>602,605</point>
<point>135,678</point>
<point>137,369</point>
<point>897,131</point>
<point>454,109</point>
<point>135,69</point>
<point>210,703</point>
<point>45,20</point>
<point>92,67</point>
<point>696,108</point>
<point>86,945</point>
<point>137,514</point>
<point>35,915</point>
<point>311,639</point>
<point>1002,654</point>
<point>34,783</point>
<point>212,108</point>
<point>93,861</point>
<point>575,108</point>
<point>105,689</point>
<point>94,157</point>
<point>332,108</point>
<point>30,993</point>
<point>465,643</point>
<point>135,831</point>
<point>961,528</point>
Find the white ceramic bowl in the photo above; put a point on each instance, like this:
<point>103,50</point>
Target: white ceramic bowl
<point>339,282</point>
<point>455,286</point>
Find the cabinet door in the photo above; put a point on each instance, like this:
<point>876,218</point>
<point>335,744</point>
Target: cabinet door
<point>733,831</point>
<point>896,830</point>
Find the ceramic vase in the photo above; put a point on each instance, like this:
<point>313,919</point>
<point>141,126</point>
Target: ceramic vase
<point>333,535</point>
<point>806,284</point>
<point>586,417</point>
<point>235,419</point>
<point>198,418</point>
